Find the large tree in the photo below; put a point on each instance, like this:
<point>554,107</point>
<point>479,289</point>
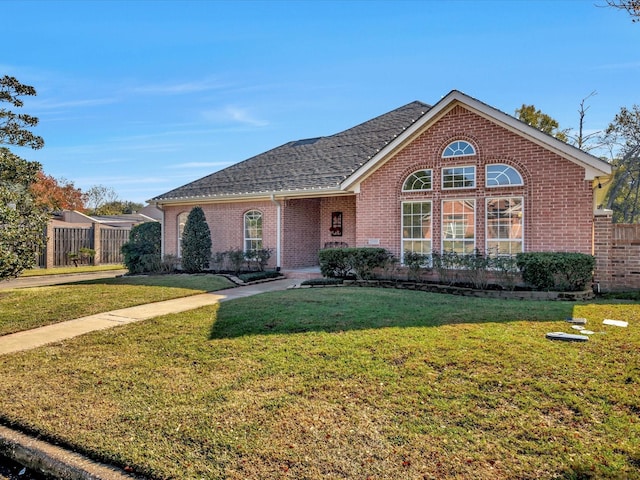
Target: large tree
<point>14,127</point>
<point>623,137</point>
<point>632,7</point>
<point>57,194</point>
<point>98,196</point>
<point>543,122</point>
<point>22,222</point>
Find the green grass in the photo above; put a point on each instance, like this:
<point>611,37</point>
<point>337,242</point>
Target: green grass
<point>26,308</point>
<point>344,383</point>
<point>38,272</point>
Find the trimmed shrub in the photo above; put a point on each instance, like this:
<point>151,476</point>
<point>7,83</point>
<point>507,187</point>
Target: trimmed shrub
<point>196,242</point>
<point>259,257</point>
<point>446,264</point>
<point>142,251</point>
<point>506,269</point>
<point>335,262</point>
<point>236,258</point>
<point>341,262</point>
<point>415,262</point>
<point>559,271</point>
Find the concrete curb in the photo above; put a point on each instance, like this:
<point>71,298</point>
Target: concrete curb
<point>54,461</point>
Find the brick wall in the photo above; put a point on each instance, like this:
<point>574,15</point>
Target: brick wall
<point>617,252</point>
<point>226,222</point>
<point>558,202</point>
<point>300,218</point>
<point>345,205</point>
<point>302,226</point>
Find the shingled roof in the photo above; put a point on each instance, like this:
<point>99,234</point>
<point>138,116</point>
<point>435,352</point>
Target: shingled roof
<point>312,164</point>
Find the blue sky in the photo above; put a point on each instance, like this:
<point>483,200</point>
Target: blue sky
<point>146,96</point>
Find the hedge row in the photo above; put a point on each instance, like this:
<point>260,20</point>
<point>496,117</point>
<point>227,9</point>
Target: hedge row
<point>555,271</point>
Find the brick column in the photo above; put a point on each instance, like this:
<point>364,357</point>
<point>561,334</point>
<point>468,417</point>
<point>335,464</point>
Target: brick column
<point>50,247</point>
<point>96,243</point>
<point>602,244</point>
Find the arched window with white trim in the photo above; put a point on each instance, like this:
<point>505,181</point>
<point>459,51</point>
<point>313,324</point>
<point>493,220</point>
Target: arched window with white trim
<point>418,180</point>
<point>252,230</point>
<point>181,222</point>
<point>502,175</point>
<point>459,148</point>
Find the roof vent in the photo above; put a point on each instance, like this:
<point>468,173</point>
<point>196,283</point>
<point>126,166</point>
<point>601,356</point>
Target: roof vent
<point>306,141</point>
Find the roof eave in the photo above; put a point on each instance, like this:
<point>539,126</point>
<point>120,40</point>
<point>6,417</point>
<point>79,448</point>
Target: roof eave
<point>252,196</point>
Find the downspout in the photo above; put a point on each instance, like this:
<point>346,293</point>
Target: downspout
<point>278,229</point>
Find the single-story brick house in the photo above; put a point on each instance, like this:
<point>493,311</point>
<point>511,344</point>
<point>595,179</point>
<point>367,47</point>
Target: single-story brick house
<point>457,176</point>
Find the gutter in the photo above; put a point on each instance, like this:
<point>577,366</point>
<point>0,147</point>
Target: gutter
<point>278,229</point>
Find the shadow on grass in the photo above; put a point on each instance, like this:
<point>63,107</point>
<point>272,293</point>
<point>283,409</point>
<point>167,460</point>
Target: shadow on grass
<point>341,309</point>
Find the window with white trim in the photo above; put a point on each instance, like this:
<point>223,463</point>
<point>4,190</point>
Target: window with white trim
<point>458,226</point>
<point>419,180</point>
<point>500,175</point>
<point>504,225</point>
<point>458,177</point>
<point>252,230</point>
<point>459,148</point>
<point>416,227</point>
<point>182,221</point>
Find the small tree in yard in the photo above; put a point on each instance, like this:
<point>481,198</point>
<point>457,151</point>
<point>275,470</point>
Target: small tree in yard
<point>196,242</point>
<point>142,251</point>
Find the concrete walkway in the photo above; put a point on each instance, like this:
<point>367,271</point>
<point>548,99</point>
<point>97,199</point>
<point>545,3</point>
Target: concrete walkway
<point>72,328</point>
<point>58,462</point>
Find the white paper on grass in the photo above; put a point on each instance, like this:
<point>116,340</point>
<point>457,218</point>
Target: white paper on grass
<point>615,323</point>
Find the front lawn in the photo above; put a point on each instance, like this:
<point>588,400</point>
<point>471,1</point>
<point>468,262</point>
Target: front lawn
<point>26,308</point>
<point>344,383</point>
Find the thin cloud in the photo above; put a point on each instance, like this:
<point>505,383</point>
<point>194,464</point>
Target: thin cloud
<point>88,102</point>
<point>619,66</point>
<point>197,165</point>
<point>234,114</point>
<point>178,88</point>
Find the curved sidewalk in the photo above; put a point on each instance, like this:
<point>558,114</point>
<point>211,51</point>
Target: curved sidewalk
<point>72,328</point>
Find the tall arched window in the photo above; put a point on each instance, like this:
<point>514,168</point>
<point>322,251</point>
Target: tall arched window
<point>182,221</point>
<point>252,230</point>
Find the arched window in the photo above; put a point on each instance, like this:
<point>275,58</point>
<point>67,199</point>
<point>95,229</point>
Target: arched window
<point>252,230</point>
<point>182,221</point>
<point>420,180</point>
<point>500,175</point>
<point>459,148</point>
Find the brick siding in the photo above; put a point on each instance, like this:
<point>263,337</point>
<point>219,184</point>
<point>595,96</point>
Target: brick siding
<point>617,252</point>
<point>557,200</point>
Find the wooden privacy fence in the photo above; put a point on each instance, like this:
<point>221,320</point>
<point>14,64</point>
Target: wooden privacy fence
<point>62,241</point>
